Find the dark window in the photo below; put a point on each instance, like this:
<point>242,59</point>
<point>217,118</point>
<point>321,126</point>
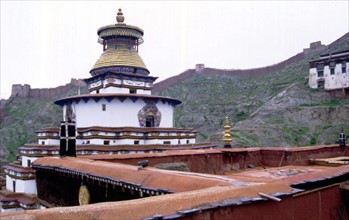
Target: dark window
<point>321,84</point>
<point>104,107</point>
<point>332,71</point>
<point>149,121</point>
<point>344,67</point>
<point>43,142</point>
<point>87,142</point>
<point>320,69</point>
<point>14,185</point>
<point>167,142</point>
<point>28,163</point>
<point>320,73</point>
<point>332,67</point>
<point>136,142</point>
<point>106,142</point>
<point>97,91</point>
<point>133,91</point>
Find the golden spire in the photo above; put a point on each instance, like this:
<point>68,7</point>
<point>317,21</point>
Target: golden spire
<point>227,138</point>
<point>120,17</point>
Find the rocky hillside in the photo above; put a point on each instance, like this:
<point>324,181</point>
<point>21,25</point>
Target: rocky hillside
<point>23,114</point>
<point>274,108</point>
<point>268,106</point>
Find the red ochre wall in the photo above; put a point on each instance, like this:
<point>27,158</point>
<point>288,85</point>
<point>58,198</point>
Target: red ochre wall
<point>300,156</point>
<point>318,205</point>
<point>227,160</point>
<point>199,163</point>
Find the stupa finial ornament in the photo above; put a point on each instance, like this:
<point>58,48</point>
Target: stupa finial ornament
<point>227,137</point>
<point>120,16</point>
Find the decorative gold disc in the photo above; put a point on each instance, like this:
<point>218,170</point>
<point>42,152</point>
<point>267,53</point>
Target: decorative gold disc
<point>84,195</point>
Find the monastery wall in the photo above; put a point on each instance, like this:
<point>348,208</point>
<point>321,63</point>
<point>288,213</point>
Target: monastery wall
<point>211,71</point>
<point>322,204</point>
<point>214,162</point>
<point>25,91</point>
<point>198,163</point>
<point>315,47</point>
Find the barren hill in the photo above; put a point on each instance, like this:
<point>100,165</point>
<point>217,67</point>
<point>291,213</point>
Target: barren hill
<point>269,106</point>
<point>28,110</point>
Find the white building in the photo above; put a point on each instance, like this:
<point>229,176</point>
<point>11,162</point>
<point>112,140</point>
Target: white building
<point>331,72</point>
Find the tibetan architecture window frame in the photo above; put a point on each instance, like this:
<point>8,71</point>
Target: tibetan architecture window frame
<point>344,67</point>
<point>332,66</point>
<point>331,70</point>
<point>104,107</point>
<point>320,69</point>
<point>320,73</point>
<point>14,185</point>
<point>321,84</point>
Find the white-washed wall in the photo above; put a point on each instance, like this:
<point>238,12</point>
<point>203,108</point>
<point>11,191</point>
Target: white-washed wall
<point>117,113</point>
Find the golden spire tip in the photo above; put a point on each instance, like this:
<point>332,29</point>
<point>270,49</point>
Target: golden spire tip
<point>120,16</point>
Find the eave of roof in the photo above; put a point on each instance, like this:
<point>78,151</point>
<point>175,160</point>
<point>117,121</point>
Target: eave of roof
<point>137,147</point>
<point>17,197</point>
<point>110,73</point>
<point>111,96</point>
<point>135,129</point>
<point>18,168</point>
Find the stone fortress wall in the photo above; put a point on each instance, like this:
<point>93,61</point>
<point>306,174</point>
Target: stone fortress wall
<point>314,48</point>
<point>25,91</point>
<point>200,68</point>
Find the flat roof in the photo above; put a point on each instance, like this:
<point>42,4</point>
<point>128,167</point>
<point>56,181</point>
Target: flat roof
<point>191,191</point>
<point>223,194</point>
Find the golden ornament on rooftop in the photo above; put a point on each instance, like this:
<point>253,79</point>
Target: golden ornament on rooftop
<point>227,138</point>
<point>120,17</point>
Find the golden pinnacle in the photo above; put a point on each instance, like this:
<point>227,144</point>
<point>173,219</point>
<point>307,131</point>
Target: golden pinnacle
<point>227,137</point>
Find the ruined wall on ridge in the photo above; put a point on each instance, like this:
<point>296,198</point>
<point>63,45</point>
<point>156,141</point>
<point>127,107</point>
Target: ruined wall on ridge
<point>25,91</point>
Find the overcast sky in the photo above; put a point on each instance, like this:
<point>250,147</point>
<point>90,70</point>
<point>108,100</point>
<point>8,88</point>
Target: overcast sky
<point>46,43</point>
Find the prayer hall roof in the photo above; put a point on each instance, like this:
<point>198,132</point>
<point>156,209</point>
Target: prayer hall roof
<point>194,192</point>
<point>173,181</point>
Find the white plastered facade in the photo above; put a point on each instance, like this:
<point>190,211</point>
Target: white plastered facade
<point>116,113</point>
<point>339,79</point>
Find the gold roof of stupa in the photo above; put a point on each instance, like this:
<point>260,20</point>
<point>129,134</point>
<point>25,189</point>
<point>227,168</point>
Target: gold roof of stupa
<point>118,52</point>
<point>119,57</point>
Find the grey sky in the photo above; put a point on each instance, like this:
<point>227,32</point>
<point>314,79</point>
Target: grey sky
<point>44,44</point>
